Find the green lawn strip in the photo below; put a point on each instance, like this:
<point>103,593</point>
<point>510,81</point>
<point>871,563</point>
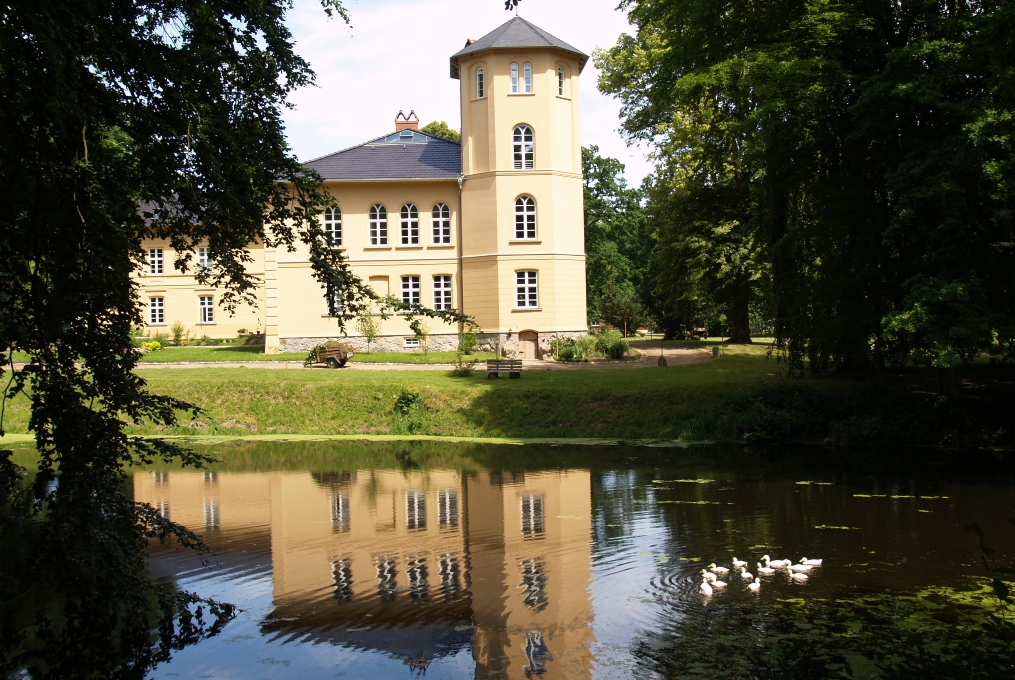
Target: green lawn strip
<point>417,357</point>
<point>238,353</point>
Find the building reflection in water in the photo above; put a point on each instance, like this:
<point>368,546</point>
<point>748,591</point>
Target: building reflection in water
<point>417,564</point>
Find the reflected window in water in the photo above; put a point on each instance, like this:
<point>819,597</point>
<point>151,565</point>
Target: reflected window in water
<point>386,579</point>
<point>533,583</point>
<point>211,477</point>
<point>415,510</point>
<point>506,478</point>
<point>160,478</point>
<point>447,509</point>
<point>419,584</point>
<point>451,577</point>
<point>536,654</point>
<point>161,506</point>
<point>340,512</point>
<point>212,517</point>
<point>533,519</point>
<point>341,571</point>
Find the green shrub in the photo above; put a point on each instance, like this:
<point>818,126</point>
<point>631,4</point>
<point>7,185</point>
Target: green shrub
<point>605,340</point>
<point>409,415</point>
<point>584,346</point>
<point>179,332</point>
<point>618,348</point>
<point>152,345</point>
<point>463,368</point>
<point>407,401</point>
<point>467,343</point>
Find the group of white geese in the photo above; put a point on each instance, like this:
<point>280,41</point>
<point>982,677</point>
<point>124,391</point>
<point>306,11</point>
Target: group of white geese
<point>711,577</point>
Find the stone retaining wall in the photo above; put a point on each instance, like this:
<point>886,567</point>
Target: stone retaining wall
<point>446,342</point>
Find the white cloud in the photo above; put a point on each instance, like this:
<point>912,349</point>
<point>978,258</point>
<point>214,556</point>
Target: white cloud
<point>395,57</point>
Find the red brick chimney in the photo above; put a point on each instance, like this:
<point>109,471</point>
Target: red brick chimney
<point>404,122</point>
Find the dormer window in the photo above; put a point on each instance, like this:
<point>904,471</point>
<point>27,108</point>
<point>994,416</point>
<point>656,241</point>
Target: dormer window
<point>405,135</point>
<point>560,81</point>
<point>514,78</point>
<point>528,78</point>
<point>480,90</point>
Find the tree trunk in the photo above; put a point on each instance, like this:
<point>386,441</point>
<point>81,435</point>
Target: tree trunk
<point>740,331</point>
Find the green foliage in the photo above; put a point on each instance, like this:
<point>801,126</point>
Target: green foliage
<point>467,342</point>
<point>463,367</point>
<point>152,345</point>
<point>368,325</point>
<point>611,344</point>
<point>409,413</point>
<point>851,162</point>
<point>439,128</point>
<point>180,333</point>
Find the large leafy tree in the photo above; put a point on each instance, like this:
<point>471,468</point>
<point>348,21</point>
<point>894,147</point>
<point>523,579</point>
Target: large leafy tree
<point>123,121</point>
<point>870,144</point>
<point>617,246</point>
<point>439,128</point>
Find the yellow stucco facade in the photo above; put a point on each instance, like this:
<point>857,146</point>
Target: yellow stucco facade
<point>519,275</point>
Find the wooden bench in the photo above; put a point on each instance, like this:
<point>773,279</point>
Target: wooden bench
<point>494,367</point>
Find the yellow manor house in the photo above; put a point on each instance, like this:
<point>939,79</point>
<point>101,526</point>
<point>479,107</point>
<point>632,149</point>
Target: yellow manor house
<point>492,226</point>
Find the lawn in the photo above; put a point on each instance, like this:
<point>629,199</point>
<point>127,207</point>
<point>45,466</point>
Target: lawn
<point>417,357</point>
<point>256,353</point>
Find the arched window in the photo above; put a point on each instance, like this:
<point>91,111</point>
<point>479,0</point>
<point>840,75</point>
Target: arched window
<point>410,225</point>
<point>524,148</point>
<point>441,220</point>
<point>480,89</point>
<point>525,218</point>
<point>514,78</point>
<point>528,78</point>
<point>560,81</point>
<point>333,226</point>
<point>378,225</point>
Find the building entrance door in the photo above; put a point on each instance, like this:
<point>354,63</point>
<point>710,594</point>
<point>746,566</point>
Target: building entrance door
<point>529,344</point>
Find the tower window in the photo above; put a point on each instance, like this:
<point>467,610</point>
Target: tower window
<point>524,148</point>
<point>410,290</point>
<point>378,218</point>
<point>440,218</point>
<point>525,218</point>
<point>410,225</point>
<point>526,289</point>
<point>527,69</point>
<point>480,89</point>
<point>333,226</point>
<point>442,292</point>
<point>514,78</point>
<point>560,81</point>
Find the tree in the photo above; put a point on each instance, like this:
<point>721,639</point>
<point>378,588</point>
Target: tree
<point>869,148</point>
<point>439,128</point>
<point>368,325</point>
<point>617,247</point>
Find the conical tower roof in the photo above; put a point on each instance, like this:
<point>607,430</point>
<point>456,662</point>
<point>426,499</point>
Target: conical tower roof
<point>516,34</point>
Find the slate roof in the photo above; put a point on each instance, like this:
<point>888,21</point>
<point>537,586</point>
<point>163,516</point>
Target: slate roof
<point>393,157</point>
<point>516,33</point>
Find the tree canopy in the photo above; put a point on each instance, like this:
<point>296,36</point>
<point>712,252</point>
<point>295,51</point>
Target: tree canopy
<point>854,156</point>
<point>439,128</point>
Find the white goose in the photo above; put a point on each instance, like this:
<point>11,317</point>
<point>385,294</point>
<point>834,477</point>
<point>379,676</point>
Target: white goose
<point>718,571</point>
<point>746,575</point>
<point>778,564</point>
<point>801,567</point>
<point>765,571</point>
<point>739,564</point>
<point>813,563</point>
<point>705,589</point>
<point>754,587</point>
<point>708,576</point>
<point>798,576</point>
<point>718,585</point>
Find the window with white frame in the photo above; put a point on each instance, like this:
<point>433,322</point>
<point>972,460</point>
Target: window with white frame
<point>527,72</point>
<point>525,218</point>
<point>440,219</point>
<point>410,290</point>
<point>527,289</point>
<point>524,147</point>
<point>480,85</point>
<point>156,310</point>
<point>204,261</point>
<point>514,78</point>
<point>415,510</point>
<point>410,225</point>
<point>410,343</point>
<point>442,291</point>
<point>333,226</point>
<point>334,302</point>
<point>206,308</point>
<point>378,218</point>
<point>560,81</point>
<point>155,260</point>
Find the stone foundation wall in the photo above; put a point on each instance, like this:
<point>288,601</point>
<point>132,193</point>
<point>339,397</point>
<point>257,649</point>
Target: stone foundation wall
<point>446,342</point>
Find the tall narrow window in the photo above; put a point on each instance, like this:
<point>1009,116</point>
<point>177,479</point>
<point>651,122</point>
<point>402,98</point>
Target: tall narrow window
<point>212,513</point>
<point>410,290</point>
<point>155,260</point>
<point>206,307</point>
<point>528,78</point>
<point>418,576</point>
<point>378,218</point>
<point>440,219</point>
<point>526,289</point>
<point>447,508</point>
<point>480,88</point>
<point>156,310</point>
<point>334,301</point>
<point>560,81</point>
<point>514,78</point>
<point>415,510</point>
<point>524,146</point>
<point>341,571</point>
<point>410,225</point>
<point>204,261</point>
<point>525,218</point>
<point>442,291</point>
<point>533,515</point>
<point>333,226</point>
<point>387,578</point>
<point>340,512</point>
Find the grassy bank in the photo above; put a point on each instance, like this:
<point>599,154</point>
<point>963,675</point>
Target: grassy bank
<point>742,396</point>
<point>256,353</point>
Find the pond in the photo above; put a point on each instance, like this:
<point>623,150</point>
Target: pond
<point>397,560</point>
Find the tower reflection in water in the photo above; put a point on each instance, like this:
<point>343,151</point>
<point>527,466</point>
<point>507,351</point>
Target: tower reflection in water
<point>416,564</point>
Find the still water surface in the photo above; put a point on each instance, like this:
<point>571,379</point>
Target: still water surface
<point>394,561</point>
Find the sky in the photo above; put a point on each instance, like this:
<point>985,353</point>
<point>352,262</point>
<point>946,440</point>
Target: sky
<point>395,56</point>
